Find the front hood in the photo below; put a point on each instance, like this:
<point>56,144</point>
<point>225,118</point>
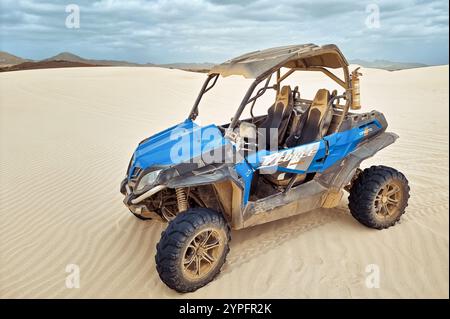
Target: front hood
<point>178,144</point>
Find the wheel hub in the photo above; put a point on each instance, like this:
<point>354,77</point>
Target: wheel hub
<point>202,254</point>
<point>199,251</point>
<point>388,199</point>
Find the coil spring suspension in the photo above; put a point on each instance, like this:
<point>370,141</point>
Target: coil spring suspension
<point>181,199</point>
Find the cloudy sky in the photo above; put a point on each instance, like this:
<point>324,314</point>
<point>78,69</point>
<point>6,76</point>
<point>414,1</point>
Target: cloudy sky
<point>163,31</point>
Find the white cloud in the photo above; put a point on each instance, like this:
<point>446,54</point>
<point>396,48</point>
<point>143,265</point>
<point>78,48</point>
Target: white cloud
<point>212,30</point>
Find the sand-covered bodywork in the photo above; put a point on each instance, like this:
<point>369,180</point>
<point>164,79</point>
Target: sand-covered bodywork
<point>329,134</point>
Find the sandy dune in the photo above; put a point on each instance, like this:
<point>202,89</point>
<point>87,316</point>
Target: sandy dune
<point>66,136</point>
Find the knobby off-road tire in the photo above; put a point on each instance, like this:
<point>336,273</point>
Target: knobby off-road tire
<point>379,197</point>
<point>192,249</point>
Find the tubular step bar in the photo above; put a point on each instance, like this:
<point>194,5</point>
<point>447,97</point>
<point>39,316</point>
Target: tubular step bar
<point>147,194</point>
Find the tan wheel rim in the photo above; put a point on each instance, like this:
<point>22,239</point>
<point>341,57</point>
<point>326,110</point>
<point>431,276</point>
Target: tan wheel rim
<point>388,199</point>
<point>203,253</point>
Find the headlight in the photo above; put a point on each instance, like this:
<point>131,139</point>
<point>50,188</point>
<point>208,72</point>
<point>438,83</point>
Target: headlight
<point>148,179</point>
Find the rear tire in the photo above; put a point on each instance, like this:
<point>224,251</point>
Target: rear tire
<point>192,249</point>
<point>379,197</point>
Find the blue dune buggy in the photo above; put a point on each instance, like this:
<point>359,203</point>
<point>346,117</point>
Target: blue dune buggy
<point>299,156</point>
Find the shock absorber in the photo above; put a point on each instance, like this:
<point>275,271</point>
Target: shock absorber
<point>181,199</point>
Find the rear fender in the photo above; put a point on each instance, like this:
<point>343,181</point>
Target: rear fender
<point>341,173</point>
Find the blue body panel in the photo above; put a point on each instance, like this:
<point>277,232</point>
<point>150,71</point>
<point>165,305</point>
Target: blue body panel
<point>187,141</point>
<point>177,144</point>
<point>330,150</point>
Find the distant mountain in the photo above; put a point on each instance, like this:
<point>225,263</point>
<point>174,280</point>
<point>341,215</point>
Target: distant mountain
<point>33,65</point>
<point>67,56</point>
<point>67,59</point>
<point>387,65</point>
<point>7,59</point>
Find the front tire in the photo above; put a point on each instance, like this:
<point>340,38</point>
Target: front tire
<point>192,249</point>
<point>379,197</point>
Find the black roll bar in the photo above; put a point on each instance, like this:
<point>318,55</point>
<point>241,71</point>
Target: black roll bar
<point>205,88</point>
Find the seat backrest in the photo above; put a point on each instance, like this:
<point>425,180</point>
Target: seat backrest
<point>278,116</point>
<point>317,120</point>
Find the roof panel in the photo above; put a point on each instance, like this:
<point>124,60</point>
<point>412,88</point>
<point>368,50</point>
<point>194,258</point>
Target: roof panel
<point>254,64</point>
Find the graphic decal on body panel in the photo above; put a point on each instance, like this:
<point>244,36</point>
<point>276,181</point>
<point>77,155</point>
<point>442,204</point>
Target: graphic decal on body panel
<point>366,131</point>
<point>297,158</point>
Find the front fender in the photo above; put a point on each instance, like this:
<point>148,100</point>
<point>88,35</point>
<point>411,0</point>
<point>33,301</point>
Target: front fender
<point>206,175</point>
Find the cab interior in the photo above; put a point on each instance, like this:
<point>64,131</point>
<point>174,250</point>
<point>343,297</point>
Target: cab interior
<point>295,120</point>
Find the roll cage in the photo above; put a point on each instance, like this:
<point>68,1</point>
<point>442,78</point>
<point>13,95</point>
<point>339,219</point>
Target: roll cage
<point>262,65</point>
